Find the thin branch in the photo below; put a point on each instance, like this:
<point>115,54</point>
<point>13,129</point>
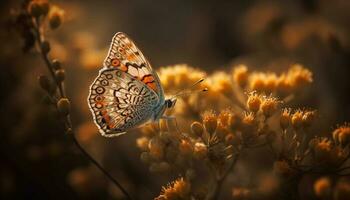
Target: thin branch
<point>67,121</point>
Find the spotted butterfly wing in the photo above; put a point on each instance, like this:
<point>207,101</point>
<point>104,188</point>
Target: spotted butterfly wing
<point>124,55</point>
<point>119,102</point>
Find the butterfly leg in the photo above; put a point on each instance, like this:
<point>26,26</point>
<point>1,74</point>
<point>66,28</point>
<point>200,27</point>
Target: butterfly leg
<point>169,119</point>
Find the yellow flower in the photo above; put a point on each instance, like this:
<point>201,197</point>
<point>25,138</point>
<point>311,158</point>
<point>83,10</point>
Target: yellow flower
<point>179,189</point>
<point>240,75</point>
<point>299,76</point>
<point>254,102</point>
<point>269,106</point>
<point>297,119</point>
<point>179,77</point>
<point>210,121</point>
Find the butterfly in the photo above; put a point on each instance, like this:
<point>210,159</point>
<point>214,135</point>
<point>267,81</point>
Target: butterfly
<point>127,92</point>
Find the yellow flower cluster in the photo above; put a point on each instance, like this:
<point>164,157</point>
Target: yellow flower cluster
<point>177,190</point>
<point>286,83</point>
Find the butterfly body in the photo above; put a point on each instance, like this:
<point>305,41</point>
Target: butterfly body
<point>127,92</point>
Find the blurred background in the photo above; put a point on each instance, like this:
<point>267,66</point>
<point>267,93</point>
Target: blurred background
<point>39,161</point>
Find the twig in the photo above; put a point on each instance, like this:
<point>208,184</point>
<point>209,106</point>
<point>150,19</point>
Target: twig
<point>40,39</point>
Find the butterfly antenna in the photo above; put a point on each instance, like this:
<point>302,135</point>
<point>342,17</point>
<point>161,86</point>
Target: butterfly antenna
<point>189,90</point>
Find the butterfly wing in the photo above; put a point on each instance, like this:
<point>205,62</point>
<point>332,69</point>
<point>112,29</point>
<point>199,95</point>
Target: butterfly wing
<point>119,102</point>
<point>124,55</point>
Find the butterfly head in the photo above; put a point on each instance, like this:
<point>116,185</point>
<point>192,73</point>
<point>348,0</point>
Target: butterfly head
<point>170,103</point>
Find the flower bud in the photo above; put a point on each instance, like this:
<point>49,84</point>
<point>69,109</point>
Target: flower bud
<point>322,187</point>
<point>342,134</point>
<point>197,129</point>
<point>297,119</point>
<point>60,75</point>
<point>63,106</point>
<point>45,47</point>
<point>308,118</point>
<point>240,75</point>
<point>285,118</point>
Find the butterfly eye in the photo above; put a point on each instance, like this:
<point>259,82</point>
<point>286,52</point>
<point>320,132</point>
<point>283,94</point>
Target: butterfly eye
<point>115,62</point>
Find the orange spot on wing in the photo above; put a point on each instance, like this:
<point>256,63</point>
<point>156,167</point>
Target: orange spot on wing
<point>148,79</point>
<point>123,68</point>
<point>153,86</point>
<point>131,57</point>
<point>115,62</point>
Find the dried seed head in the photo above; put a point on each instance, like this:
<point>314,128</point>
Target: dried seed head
<point>322,187</point>
<point>297,119</point>
<point>269,106</point>
<point>240,75</point>
<point>56,15</point>
<point>56,64</point>
<point>210,121</point>
<point>63,106</point>
<point>60,75</point>
<point>36,8</point>
<point>197,128</point>
<point>285,118</point>
<point>254,102</point>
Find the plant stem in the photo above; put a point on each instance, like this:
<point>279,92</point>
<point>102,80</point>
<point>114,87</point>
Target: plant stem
<point>40,38</point>
<point>220,180</point>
